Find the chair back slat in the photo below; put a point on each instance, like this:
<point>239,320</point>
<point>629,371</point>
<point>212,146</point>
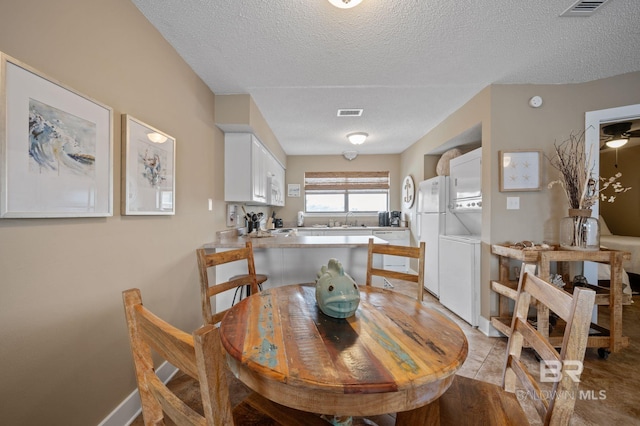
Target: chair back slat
<point>209,357</point>
<point>200,355</point>
<point>402,251</point>
<point>576,310</point>
<point>172,344</point>
<point>557,300</point>
<point>174,407</point>
<point>207,260</point>
<point>394,275</point>
<point>573,348</point>
<point>204,353</point>
<point>536,340</point>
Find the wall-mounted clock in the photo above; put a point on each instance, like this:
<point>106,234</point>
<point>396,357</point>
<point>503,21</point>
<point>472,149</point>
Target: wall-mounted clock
<point>408,192</point>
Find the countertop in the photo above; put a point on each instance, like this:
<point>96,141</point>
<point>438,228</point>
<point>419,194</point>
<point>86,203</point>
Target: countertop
<point>296,241</point>
<point>343,228</point>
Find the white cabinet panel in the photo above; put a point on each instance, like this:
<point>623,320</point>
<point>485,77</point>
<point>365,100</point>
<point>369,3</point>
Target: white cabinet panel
<point>399,237</point>
<point>252,174</point>
<point>349,231</point>
<point>244,170</point>
<point>259,170</point>
<point>275,181</point>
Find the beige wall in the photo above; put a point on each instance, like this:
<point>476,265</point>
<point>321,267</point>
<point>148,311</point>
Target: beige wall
<point>64,348</point>
<point>241,113</point>
<point>65,355</point>
<point>622,215</point>
<point>509,123</point>
<point>297,165</point>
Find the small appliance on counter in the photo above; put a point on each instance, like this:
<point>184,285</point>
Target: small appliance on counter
<point>383,218</point>
<point>394,219</point>
<point>300,218</point>
<point>278,223</point>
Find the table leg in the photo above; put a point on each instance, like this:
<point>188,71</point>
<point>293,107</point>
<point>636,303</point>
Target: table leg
<point>429,415</point>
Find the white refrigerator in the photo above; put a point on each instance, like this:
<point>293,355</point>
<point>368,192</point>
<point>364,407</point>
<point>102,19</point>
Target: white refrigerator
<point>431,211</point>
<point>434,220</point>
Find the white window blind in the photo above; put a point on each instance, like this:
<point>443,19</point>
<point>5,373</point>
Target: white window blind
<point>346,181</point>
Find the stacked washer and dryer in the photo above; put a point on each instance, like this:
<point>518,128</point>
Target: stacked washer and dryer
<point>450,224</point>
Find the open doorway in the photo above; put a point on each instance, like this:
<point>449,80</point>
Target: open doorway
<point>605,165</point>
<point>621,214</point>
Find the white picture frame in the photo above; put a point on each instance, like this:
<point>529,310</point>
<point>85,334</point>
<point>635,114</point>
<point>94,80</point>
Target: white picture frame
<point>148,169</point>
<point>56,147</point>
<point>520,170</point>
<point>293,190</point>
<point>408,192</point>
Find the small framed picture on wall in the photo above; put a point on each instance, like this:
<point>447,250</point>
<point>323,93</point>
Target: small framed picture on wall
<point>520,170</point>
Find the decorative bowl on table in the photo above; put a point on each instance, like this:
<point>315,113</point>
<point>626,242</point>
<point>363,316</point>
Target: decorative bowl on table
<point>336,292</point>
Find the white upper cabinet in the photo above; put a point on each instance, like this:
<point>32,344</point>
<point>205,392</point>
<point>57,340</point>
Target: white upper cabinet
<point>250,171</point>
<point>275,182</point>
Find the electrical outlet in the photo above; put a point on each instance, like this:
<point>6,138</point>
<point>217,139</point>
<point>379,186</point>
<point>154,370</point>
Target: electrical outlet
<point>232,214</point>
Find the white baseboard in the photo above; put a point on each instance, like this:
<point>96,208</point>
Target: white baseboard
<point>130,408</point>
<point>484,325</point>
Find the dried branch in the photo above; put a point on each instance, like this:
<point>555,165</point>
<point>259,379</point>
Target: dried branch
<point>576,174</point>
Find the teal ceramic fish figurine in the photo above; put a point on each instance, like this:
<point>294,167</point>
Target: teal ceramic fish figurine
<point>336,292</point>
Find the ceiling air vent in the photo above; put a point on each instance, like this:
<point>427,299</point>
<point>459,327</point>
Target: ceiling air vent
<point>350,112</point>
<point>583,8</point>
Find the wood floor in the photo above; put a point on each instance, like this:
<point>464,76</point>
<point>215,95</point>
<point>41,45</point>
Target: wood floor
<point>610,389</point>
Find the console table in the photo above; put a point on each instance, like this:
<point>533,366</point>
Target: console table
<point>606,339</point>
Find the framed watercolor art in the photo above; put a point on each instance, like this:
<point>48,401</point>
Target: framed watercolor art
<point>520,170</point>
<point>148,169</point>
<point>56,148</point>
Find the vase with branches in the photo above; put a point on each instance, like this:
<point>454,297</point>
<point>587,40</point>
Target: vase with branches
<point>583,189</point>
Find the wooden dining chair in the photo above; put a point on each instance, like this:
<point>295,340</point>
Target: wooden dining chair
<point>201,356</point>
<point>209,290</point>
<point>473,402</point>
<point>403,251</point>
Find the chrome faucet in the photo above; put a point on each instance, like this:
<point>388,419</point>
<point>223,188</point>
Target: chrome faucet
<point>346,218</point>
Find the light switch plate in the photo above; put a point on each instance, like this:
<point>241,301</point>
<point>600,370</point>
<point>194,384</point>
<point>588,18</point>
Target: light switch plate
<point>513,203</point>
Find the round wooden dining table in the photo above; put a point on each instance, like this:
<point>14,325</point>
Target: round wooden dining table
<point>394,355</point>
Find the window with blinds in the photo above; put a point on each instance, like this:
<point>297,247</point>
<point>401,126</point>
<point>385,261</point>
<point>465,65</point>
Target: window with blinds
<point>342,192</point>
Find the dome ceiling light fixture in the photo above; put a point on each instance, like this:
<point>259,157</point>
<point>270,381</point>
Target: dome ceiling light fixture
<point>617,143</point>
<point>350,155</point>
<point>357,138</point>
<point>618,134</point>
<point>345,4</point>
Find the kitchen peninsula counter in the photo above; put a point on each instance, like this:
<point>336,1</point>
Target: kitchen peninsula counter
<point>293,259</point>
<point>295,241</point>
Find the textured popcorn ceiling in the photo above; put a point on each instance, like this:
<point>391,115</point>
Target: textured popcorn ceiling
<point>409,64</point>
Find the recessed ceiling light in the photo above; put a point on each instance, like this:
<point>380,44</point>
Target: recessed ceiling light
<point>345,4</point>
